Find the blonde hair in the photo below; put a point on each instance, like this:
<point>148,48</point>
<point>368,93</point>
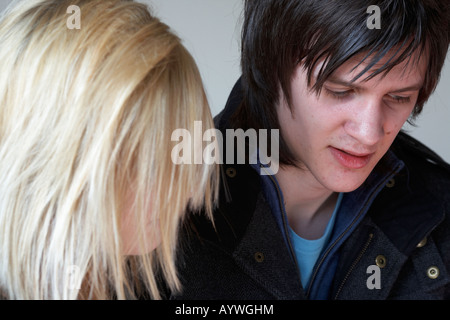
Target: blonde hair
<point>85,123</point>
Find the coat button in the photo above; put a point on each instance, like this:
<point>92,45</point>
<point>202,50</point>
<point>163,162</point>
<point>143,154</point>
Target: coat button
<point>422,243</point>
<point>390,183</point>
<point>231,172</point>
<point>259,257</point>
<point>380,260</point>
<point>433,272</point>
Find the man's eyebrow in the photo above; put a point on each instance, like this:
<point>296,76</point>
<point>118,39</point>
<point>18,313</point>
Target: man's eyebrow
<point>416,87</point>
<point>335,80</point>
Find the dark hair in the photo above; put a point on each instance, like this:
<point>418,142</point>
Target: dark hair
<point>278,34</point>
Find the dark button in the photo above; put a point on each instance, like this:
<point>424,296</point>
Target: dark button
<point>231,172</point>
<point>433,272</point>
<point>259,257</point>
<point>390,183</point>
<point>380,260</point>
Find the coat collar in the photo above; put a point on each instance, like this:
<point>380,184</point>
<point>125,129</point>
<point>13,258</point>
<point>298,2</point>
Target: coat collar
<point>409,207</point>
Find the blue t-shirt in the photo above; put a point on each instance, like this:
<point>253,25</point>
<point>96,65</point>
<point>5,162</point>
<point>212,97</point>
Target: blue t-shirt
<point>308,251</point>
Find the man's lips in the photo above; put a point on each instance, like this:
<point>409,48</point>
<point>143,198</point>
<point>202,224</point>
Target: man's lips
<point>351,159</point>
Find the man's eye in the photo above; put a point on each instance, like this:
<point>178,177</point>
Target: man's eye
<point>400,99</point>
<point>338,94</point>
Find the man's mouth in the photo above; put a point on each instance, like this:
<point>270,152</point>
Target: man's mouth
<point>351,159</point>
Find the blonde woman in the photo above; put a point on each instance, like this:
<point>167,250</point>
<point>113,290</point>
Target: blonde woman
<point>88,189</point>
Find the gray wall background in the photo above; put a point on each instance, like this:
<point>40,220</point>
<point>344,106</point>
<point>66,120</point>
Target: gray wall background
<point>210,30</point>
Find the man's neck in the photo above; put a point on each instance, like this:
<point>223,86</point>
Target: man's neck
<point>309,205</point>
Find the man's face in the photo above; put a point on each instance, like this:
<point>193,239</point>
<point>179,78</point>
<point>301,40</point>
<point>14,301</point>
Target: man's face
<point>340,135</point>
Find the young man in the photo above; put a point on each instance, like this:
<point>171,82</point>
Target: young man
<point>357,209</point>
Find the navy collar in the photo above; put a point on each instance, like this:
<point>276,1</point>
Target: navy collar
<point>353,208</point>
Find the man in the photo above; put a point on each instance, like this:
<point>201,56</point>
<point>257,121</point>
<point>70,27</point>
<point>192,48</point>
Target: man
<point>357,209</point>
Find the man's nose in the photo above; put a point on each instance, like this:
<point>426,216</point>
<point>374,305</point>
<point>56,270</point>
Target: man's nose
<point>366,122</point>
